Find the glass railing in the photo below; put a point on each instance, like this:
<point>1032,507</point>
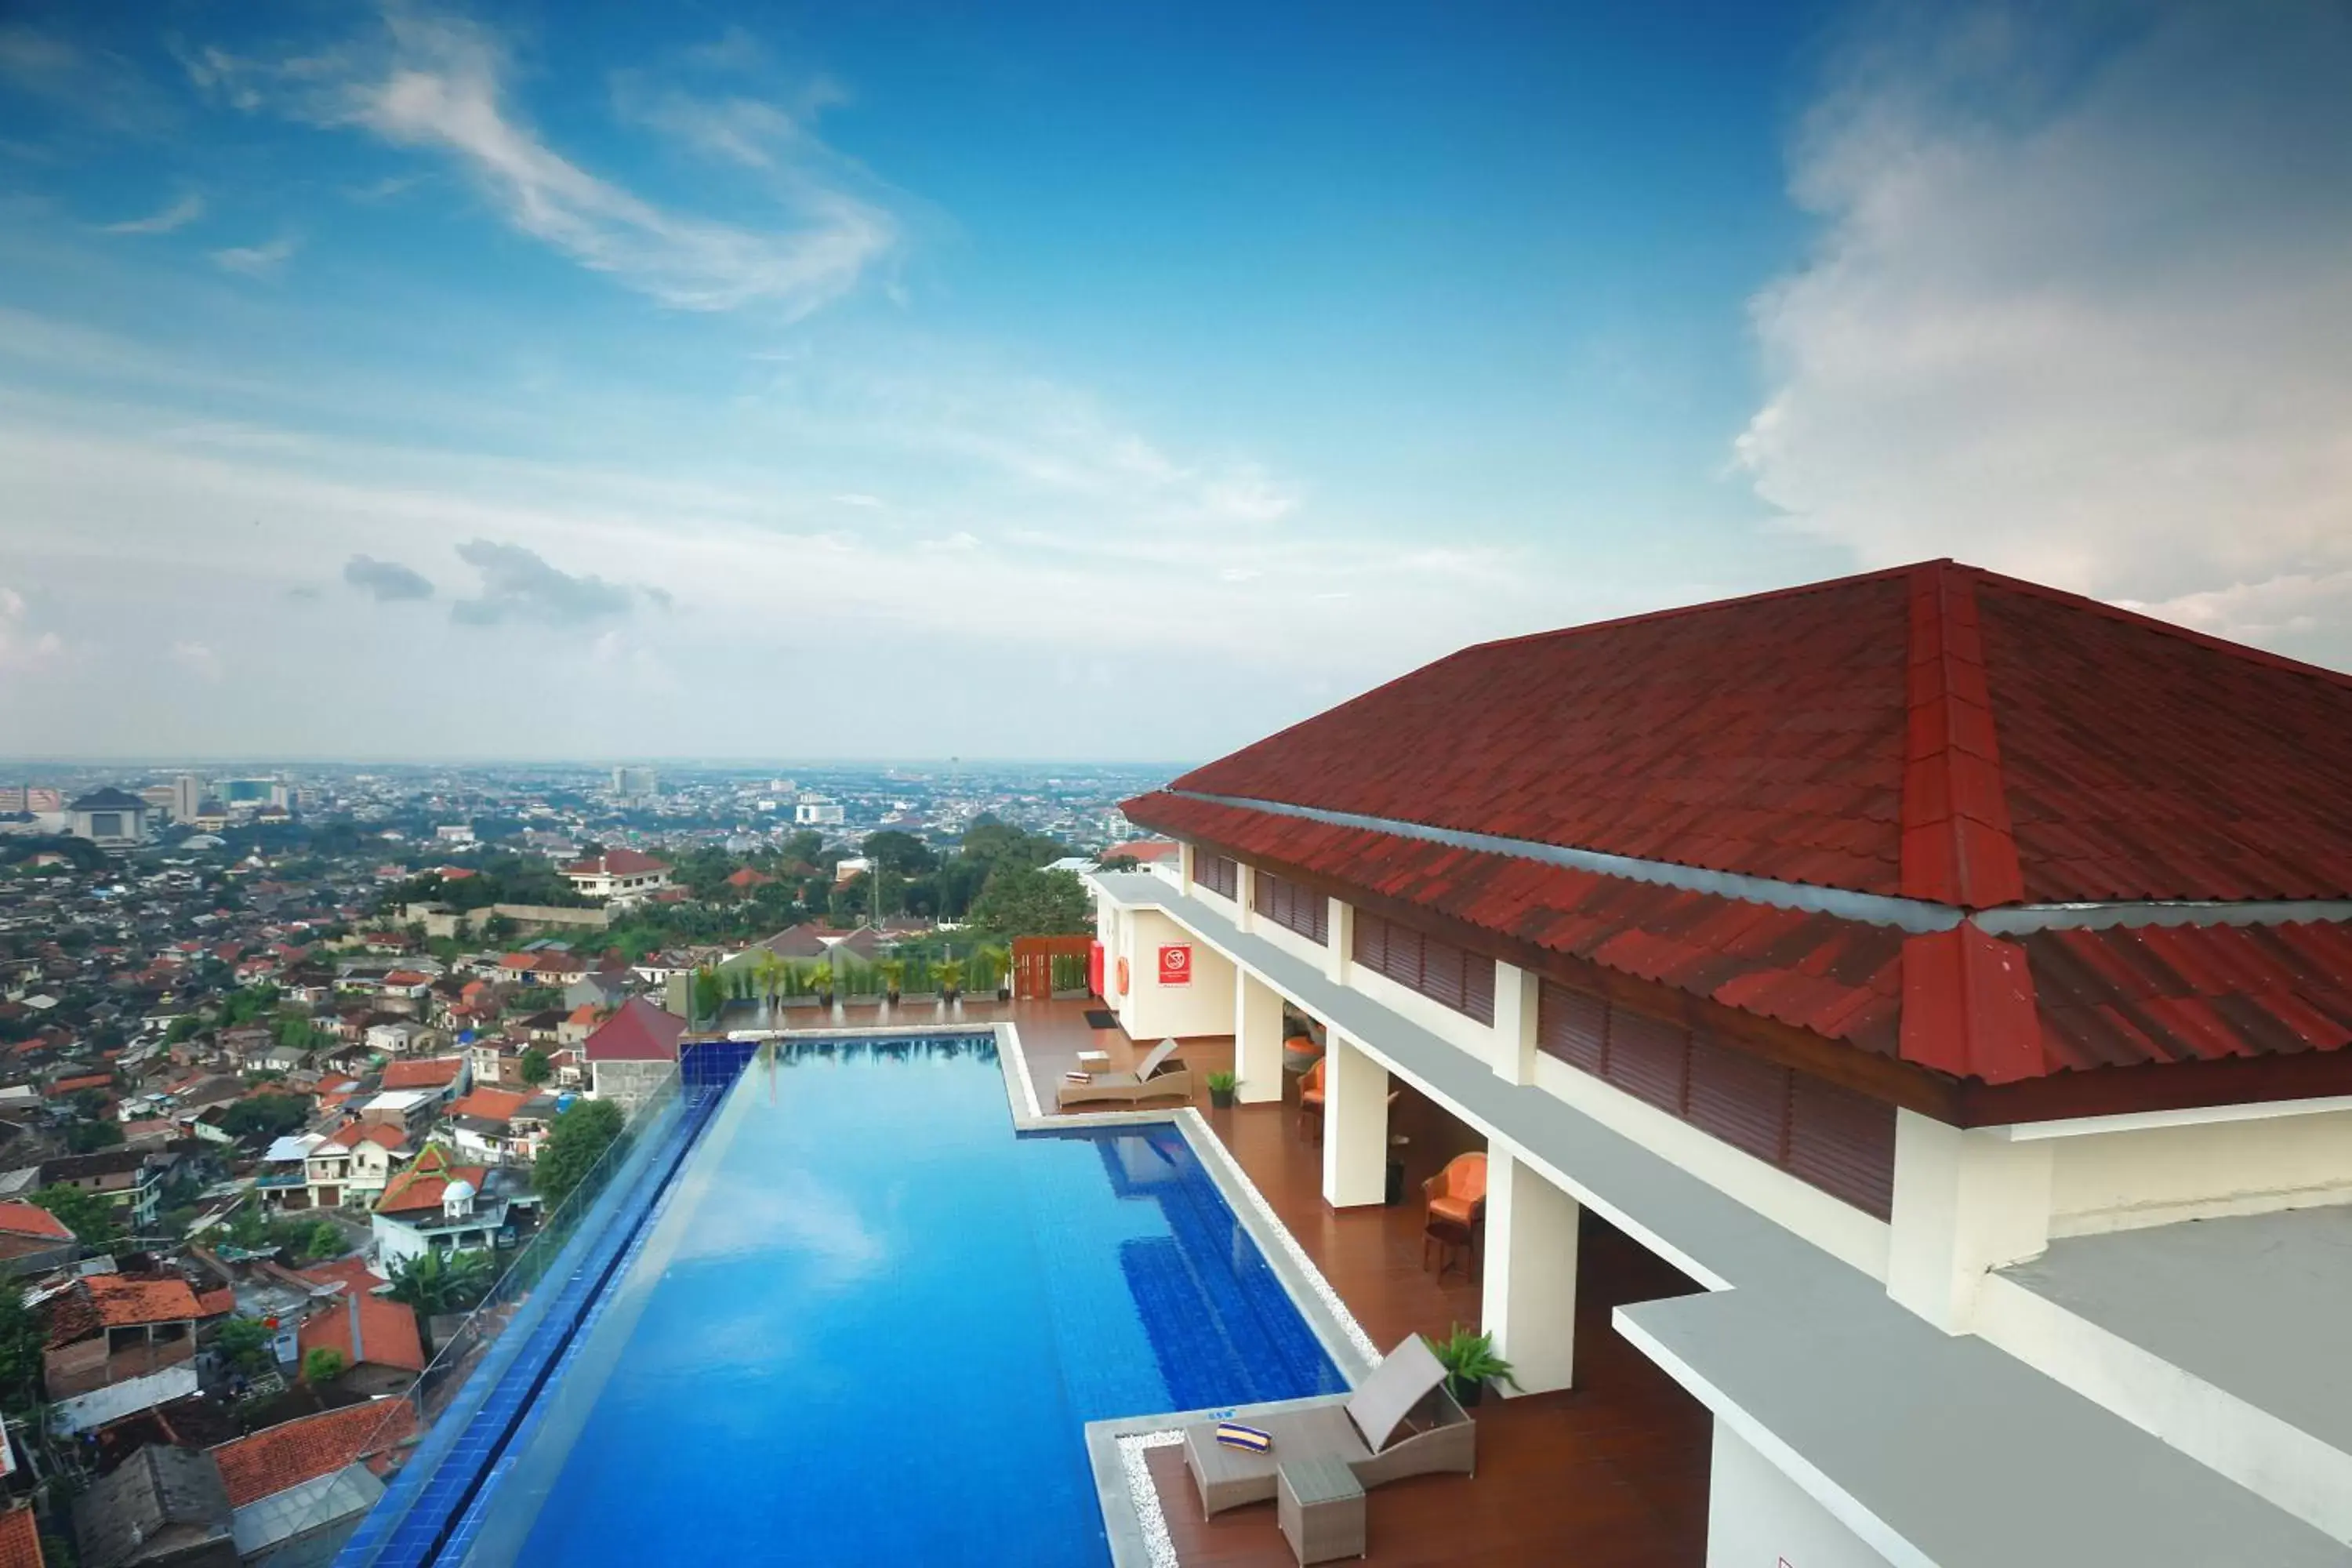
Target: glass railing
<point>529,1310</point>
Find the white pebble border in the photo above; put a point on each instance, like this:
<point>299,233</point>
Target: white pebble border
<point>1157,1546</point>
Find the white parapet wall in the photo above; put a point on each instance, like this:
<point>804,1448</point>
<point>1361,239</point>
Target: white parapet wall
<point>1758,1517</point>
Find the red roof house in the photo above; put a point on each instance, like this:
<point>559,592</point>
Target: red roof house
<point>430,1072</point>
<point>638,1031</point>
<point>20,1537</point>
<point>275,1457</point>
<point>420,1187</point>
<point>2002,851</point>
<point>375,1335</point>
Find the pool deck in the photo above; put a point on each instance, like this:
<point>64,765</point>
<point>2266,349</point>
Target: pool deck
<point>1611,1474</point>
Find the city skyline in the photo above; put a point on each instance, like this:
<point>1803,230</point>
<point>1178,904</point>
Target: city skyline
<point>434,380</point>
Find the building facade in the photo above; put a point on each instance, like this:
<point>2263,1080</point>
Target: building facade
<point>1897,958</point>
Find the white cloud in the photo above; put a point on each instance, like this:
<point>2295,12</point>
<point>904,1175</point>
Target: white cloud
<point>2082,311</point>
<point>178,214</point>
<point>198,659</point>
<point>263,261</point>
<point>437,82</point>
<point>23,651</point>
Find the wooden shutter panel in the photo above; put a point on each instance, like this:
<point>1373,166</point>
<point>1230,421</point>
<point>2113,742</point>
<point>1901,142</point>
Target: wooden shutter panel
<point>1648,1059</point>
<point>1573,1027</point>
<point>1844,1144</point>
<point>1478,986</point>
<point>1741,1098</point>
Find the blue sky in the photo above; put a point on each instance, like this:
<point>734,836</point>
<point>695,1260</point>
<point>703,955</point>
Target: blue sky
<point>897,379</point>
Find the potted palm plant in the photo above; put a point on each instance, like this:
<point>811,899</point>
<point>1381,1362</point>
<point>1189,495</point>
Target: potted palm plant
<point>893,975</point>
<point>996,963</point>
<point>1470,1363</point>
<point>950,975</point>
<point>1220,1090</point>
<point>820,980</point>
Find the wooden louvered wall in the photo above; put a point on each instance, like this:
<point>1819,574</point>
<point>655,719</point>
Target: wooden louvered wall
<point>1292,905</point>
<point>1462,980</point>
<point>1838,1140</point>
<point>1218,873</point>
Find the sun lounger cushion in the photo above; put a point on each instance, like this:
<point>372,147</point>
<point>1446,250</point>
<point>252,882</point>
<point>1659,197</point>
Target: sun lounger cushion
<point>1254,1439</point>
<point>1077,1078</point>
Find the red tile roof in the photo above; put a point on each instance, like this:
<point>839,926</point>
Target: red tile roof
<point>493,1104</point>
<point>617,863</point>
<point>125,1300</point>
<point>20,1539</point>
<point>638,1031</point>
<point>747,877</point>
<point>361,1327</point>
<point>352,1273</point>
<point>421,1185</point>
<point>354,1134</point>
<point>292,1452</point>
<point>32,1219</point>
<point>431,1072</point>
<point>1935,734</point>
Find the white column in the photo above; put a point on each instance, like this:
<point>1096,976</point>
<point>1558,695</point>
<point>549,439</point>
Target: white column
<point>1342,929</point>
<point>1355,1126</point>
<point>1516,993</point>
<point>1257,1040</point>
<point>1530,1294</point>
<point>1245,895</point>
<point>1184,853</point>
<point>1966,1202</point>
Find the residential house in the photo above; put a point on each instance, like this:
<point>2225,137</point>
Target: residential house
<point>375,1335</point>
<point>283,1181</point>
<point>617,876</point>
<point>409,1111</point>
<point>633,1051</point>
<point>33,1240</point>
<point>308,1479</point>
<point>125,1177</point>
<point>106,1328</point>
<point>349,1167</point>
<point>445,1077</point>
<point>161,1508</point>
<point>401,1037</point>
<point>501,1126</point>
<point>440,1204</point>
<point>577,1024</point>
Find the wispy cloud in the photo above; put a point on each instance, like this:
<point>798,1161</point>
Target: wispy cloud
<point>179,215</point>
<point>198,659</point>
<point>387,582</point>
<point>2080,308</point>
<point>22,649</point>
<point>437,82</point>
<point>262,261</point>
<point>518,585</point>
<point>98,88</point>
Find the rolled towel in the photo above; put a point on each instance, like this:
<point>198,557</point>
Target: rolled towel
<point>1233,1435</point>
<point>1076,1077</point>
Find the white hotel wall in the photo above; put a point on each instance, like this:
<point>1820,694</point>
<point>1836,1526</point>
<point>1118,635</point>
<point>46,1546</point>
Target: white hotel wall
<point>1758,1517</point>
<point>2157,1175</point>
<point>1150,1011</point>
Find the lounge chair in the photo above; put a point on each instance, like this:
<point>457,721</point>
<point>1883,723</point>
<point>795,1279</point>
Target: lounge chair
<point>1162,1072</point>
<point>1400,1422</point>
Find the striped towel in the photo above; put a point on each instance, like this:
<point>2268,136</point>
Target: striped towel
<point>1076,1077</point>
<point>1233,1435</point>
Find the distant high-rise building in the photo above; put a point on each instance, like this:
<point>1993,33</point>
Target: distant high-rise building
<point>187,793</point>
<point>815,811</point>
<point>635,784</point>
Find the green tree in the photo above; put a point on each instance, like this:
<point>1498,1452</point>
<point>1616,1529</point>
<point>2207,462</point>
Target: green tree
<point>899,853</point>
<point>92,1219</point>
<point>85,1137</point>
<point>322,1366</point>
<point>247,1343</point>
<point>22,1336</point>
<point>270,1115</point>
<point>435,1282</point>
<point>183,1027</point>
<point>574,1143</point>
<point>1021,900</point>
<point>324,1241</point>
<point>536,1069</point>
<point>709,993</point>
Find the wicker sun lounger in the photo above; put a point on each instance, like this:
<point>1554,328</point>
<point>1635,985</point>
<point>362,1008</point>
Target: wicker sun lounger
<point>1400,1422</point>
<point>1161,1073</point>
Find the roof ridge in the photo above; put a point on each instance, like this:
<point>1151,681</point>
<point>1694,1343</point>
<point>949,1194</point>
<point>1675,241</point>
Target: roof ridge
<point>1957,845</point>
<point>1677,612</point>
<point>2114,612</point>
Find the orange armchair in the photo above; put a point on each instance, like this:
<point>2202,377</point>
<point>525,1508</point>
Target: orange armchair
<point>1310,1099</point>
<point>1458,1192</point>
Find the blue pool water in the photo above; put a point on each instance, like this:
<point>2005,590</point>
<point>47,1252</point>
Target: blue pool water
<point>870,1322</point>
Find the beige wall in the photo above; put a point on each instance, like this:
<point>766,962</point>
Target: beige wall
<point>1758,1517</point>
<point>2156,1175</point>
<point>1150,1010</point>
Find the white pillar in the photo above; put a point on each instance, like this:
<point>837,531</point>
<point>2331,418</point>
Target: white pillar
<point>1257,1040</point>
<point>1530,1295</point>
<point>1184,853</point>
<point>1966,1202</point>
<point>1245,895</point>
<point>1341,927</point>
<point>1355,1126</point>
<point>1516,993</point>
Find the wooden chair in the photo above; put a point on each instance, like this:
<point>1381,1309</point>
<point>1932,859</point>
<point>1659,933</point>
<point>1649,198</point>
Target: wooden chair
<point>1454,1201</point>
<point>1310,1102</point>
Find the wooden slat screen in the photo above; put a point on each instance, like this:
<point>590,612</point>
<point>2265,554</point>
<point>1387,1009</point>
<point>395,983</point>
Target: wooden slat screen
<point>1289,905</point>
<point>1218,873</point>
<point>1837,1139</point>
<point>1462,980</point>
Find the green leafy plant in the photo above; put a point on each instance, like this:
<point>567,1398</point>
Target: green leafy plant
<point>818,978</point>
<point>950,973</point>
<point>1221,1082</point>
<point>893,975</point>
<point>322,1366</point>
<point>1470,1362</point>
<point>435,1282</point>
<point>245,1342</point>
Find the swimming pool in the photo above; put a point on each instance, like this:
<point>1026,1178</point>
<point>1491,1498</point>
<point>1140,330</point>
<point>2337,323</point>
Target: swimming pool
<point>870,1321</point>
